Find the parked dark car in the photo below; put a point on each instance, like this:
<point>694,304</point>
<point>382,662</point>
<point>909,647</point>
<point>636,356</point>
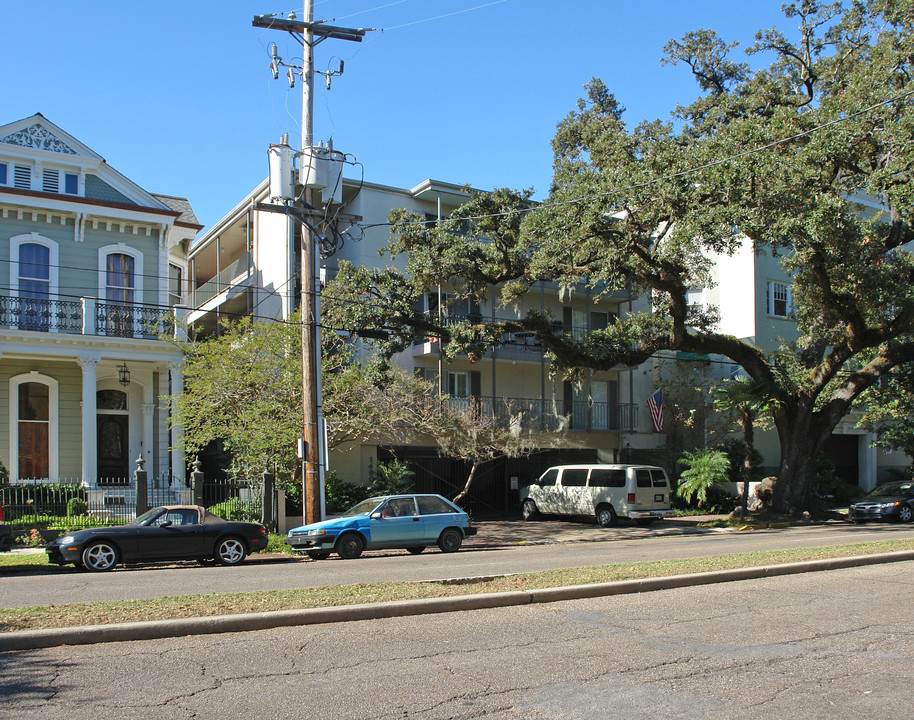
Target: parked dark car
<point>889,501</point>
<point>174,532</point>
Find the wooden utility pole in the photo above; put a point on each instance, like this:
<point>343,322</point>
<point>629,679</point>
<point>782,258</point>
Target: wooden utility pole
<point>309,34</point>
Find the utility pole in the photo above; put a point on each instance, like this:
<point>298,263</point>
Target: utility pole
<point>309,34</point>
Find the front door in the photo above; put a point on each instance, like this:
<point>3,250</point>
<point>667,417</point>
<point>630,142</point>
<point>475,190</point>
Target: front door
<point>113,450</point>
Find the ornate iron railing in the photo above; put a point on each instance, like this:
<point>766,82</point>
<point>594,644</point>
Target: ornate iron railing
<point>41,315</point>
<point>138,321</point>
<point>66,316</point>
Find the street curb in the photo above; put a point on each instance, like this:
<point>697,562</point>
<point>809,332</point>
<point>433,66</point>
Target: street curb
<point>157,629</point>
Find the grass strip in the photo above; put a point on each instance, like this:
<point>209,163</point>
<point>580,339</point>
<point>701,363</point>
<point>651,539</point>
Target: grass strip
<point>169,608</point>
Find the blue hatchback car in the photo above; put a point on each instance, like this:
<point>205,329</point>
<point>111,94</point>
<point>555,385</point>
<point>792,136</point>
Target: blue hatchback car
<point>412,522</point>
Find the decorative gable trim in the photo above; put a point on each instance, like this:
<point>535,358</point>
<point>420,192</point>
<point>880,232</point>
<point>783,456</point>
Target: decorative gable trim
<point>38,137</point>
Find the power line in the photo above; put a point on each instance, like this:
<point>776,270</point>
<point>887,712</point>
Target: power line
<point>671,176</point>
<point>446,15</point>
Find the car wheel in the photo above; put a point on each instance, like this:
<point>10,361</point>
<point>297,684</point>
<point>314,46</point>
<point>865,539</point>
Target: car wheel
<point>415,550</point>
<point>645,521</point>
<point>230,551</point>
<point>450,540</point>
<point>350,546</point>
<point>318,554</point>
<point>905,514</point>
<point>99,556</point>
<point>529,511</point>
<point>606,516</point>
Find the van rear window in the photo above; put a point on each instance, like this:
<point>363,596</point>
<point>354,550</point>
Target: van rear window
<point>607,478</point>
<point>659,478</point>
<point>576,477</point>
<point>644,478</point>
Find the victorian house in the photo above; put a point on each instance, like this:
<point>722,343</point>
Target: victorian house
<point>88,357</point>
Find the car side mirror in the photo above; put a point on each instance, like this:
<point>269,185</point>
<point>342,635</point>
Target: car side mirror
<point>167,523</point>
<point>376,516</point>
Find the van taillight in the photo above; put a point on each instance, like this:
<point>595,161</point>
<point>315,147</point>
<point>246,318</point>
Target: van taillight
<point>631,497</point>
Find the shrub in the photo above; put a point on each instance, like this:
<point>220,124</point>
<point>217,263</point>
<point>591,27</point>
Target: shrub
<point>236,509</point>
<point>706,469</point>
<point>340,495</point>
<point>77,507</point>
<point>391,478</point>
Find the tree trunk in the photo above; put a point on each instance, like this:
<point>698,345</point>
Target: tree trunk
<point>802,438</point>
<point>466,488</point>
<point>748,446</point>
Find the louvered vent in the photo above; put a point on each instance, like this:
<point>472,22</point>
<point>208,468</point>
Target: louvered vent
<point>50,181</point>
<point>22,177</point>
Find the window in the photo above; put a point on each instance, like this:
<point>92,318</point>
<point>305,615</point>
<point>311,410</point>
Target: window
<point>548,480</point>
<point>429,505</point>
<point>34,286</point>
<point>643,478</point>
<point>3,180</point>
<point>175,286</point>
<point>780,302</point>
<point>110,400</point>
<point>71,184</point>
<point>34,418</point>
<point>33,427</point>
<point>576,477</point>
<point>119,279</point>
<point>659,478</point>
<point>121,271</point>
<point>607,478</point>
<point>458,384</point>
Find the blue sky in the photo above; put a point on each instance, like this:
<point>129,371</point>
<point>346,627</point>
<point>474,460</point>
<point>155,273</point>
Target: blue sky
<point>177,94</point>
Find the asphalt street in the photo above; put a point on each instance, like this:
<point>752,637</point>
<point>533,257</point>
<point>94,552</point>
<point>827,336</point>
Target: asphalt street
<point>829,645</point>
<point>578,545</point>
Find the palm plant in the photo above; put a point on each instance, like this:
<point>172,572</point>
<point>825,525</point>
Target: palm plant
<point>706,469</point>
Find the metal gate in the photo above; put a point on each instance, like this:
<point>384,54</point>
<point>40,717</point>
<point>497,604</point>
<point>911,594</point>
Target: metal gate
<point>492,494</point>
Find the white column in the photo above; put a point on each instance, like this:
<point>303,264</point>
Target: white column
<point>89,367</point>
<point>179,480</point>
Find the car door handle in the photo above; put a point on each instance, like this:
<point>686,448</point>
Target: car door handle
<point>415,519</point>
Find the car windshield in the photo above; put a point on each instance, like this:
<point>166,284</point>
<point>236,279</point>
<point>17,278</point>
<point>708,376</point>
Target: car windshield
<point>363,508</point>
<point>147,516</point>
<point>894,488</point>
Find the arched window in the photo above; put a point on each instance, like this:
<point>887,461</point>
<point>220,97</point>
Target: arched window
<point>120,278</point>
<point>33,280</point>
<point>121,285</point>
<point>33,427</point>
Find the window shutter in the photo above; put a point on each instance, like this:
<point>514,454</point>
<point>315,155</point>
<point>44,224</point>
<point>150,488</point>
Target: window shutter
<point>50,181</point>
<point>22,177</point>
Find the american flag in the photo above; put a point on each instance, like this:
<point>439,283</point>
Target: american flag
<point>655,405</point>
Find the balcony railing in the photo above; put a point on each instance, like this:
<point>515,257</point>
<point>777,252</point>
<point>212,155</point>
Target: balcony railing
<point>86,317</point>
<point>41,315</point>
<point>537,414</point>
<point>238,270</point>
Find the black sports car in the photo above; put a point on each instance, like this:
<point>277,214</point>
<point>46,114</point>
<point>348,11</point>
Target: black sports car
<point>175,532</point>
<point>889,501</point>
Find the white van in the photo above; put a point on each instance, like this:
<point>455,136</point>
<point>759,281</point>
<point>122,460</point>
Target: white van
<point>607,492</point>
